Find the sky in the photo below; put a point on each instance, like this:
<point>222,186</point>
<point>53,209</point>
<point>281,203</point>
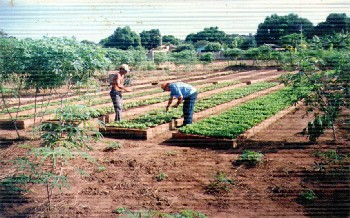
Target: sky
<point>94,20</point>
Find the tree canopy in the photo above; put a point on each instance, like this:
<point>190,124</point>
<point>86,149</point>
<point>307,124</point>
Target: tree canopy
<point>335,23</point>
<point>122,38</point>
<point>274,27</point>
<point>170,39</point>
<point>150,39</point>
<point>211,34</point>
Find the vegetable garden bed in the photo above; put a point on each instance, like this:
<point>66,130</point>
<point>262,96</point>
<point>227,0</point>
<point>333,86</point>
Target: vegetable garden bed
<point>107,111</point>
<point>204,107</point>
<point>239,123</point>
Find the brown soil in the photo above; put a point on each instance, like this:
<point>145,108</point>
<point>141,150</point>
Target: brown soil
<point>270,189</point>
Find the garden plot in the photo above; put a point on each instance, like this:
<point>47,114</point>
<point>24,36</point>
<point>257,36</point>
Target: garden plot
<point>159,121</point>
<point>102,92</point>
<point>104,105</point>
<point>104,109</point>
<point>223,130</point>
<point>103,97</point>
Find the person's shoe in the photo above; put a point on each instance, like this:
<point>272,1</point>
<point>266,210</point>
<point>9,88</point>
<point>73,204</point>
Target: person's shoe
<point>178,127</point>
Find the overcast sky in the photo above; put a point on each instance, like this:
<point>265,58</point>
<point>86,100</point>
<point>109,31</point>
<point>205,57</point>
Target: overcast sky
<point>96,19</point>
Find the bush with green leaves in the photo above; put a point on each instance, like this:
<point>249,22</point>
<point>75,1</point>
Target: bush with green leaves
<point>207,58</point>
<point>161,57</point>
<point>213,47</point>
<point>233,54</point>
<point>184,47</point>
<point>186,57</point>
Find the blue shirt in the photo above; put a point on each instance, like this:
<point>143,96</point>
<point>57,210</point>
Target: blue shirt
<point>180,89</point>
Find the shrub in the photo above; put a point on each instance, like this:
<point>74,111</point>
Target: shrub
<point>207,58</point>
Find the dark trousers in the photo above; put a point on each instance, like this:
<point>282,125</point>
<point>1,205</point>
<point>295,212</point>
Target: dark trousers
<point>188,108</point>
<point>117,100</point>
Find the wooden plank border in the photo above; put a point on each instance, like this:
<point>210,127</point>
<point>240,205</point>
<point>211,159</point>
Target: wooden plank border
<point>146,134</point>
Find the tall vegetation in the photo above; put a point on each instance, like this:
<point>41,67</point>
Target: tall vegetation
<point>46,65</point>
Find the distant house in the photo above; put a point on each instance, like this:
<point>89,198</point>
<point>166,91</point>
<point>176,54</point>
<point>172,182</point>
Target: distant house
<point>162,48</point>
<point>276,47</point>
<point>200,48</point>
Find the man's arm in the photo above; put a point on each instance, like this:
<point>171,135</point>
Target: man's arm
<point>179,101</point>
<point>169,103</point>
<point>120,85</point>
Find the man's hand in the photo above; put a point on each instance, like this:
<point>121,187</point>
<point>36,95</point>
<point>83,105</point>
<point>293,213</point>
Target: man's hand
<point>167,108</point>
<point>127,89</point>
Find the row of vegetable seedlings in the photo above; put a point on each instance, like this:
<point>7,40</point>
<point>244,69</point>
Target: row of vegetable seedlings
<point>25,121</point>
<point>227,126</point>
<point>141,127</point>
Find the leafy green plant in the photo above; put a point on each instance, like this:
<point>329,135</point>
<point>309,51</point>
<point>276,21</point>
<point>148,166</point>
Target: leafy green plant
<point>112,146</point>
<point>207,58</point>
<point>161,176</point>
<point>220,184</point>
<point>307,196</point>
<point>250,158</point>
<point>187,214</point>
<point>330,164</point>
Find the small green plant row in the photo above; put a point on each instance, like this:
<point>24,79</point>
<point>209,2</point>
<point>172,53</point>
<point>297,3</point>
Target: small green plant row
<point>158,117</point>
<point>109,109</point>
<point>237,120</point>
<point>151,213</point>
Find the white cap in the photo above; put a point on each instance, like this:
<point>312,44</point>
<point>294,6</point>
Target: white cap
<point>125,67</point>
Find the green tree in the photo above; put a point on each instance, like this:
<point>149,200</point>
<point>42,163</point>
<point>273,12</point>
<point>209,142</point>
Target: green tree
<point>291,40</point>
<point>233,54</point>
<point>170,39</point>
<point>207,58</point>
<point>184,47</point>
<point>213,46</point>
<point>248,42</point>
<point>201,44</point>
<point>150,39</point>
<point>252,54</point>
<point>274,27</point>
<point>122,38</point>
<point>211,34</point>
<point>160,57</point>
<point>186,57</point>
<point>335,23</point>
